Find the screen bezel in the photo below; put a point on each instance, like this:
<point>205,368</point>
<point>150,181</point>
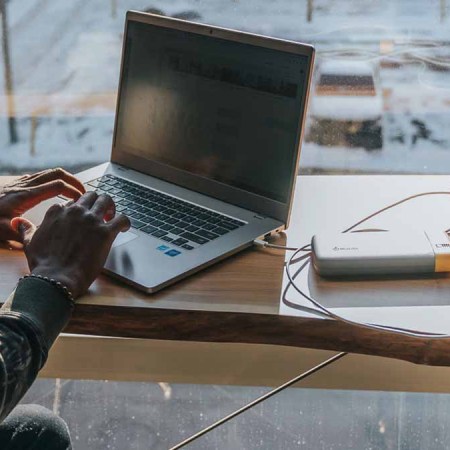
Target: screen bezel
<point>230,194</point>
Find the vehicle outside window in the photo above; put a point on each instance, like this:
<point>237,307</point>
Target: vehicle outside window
<point>346,106</point>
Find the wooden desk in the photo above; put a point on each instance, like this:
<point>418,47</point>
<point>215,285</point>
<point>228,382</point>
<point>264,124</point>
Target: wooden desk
<point>199,329</point>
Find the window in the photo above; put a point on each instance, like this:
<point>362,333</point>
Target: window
<point>380,98</point>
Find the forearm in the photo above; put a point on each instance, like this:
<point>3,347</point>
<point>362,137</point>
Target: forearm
<point>29,324</point>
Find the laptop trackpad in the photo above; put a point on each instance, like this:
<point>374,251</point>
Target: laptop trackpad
<point>122,238</point>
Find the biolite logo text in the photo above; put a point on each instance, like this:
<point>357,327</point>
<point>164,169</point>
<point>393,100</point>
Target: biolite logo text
<point>442,245</point>
<point>338,249</point>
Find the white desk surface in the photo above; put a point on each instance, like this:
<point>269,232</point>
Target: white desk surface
<point>332,204</point>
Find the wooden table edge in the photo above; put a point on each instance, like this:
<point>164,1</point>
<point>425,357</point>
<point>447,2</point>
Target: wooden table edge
<point>245,328</point>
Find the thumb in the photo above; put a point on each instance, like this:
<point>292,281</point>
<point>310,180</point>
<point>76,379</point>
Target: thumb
<point>24,228</point>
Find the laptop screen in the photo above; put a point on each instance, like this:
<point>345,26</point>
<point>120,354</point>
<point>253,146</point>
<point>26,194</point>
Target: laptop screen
<point>219,109</point>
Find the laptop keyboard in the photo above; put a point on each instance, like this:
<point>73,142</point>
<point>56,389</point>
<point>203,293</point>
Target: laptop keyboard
<point>165,217</point>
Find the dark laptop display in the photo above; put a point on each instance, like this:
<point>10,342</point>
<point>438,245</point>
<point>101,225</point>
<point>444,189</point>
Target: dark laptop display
<point>223,110</point>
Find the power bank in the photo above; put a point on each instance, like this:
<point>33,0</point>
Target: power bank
<point>381,252</point>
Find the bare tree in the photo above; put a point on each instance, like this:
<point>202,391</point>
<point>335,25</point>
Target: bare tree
<point>13,137</point>
<point>309,12</point>
<point>114,8</point>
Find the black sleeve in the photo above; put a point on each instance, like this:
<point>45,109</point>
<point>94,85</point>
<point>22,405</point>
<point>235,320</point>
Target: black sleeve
<point>29,324</point>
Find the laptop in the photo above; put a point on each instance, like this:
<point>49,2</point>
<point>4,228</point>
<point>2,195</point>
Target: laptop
<point>206,145</point>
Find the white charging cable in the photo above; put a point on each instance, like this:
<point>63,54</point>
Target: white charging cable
<point>321,310</point>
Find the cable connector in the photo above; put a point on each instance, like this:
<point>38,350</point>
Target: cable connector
<point>260,243</point>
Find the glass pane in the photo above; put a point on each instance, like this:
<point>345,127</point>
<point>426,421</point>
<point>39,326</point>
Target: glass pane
<point>143,416</point>
<point>380,93</point>
<point>336,420</point>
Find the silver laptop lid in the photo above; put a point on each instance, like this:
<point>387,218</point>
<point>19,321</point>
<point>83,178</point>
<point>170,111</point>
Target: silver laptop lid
<point>214,110</point>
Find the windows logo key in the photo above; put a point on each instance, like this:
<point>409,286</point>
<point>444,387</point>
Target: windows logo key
<point>168,251</point>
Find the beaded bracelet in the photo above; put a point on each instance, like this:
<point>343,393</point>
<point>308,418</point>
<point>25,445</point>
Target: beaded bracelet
<point>64,289</point>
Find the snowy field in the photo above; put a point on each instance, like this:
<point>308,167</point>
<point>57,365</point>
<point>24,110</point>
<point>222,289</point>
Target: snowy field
<point>65,59</point>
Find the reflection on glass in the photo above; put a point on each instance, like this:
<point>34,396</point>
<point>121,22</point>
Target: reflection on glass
<point>143,416</point>
<point>380,94</point>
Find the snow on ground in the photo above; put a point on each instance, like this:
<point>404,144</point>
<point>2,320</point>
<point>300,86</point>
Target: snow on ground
<point>66,56</point>
<point>72,142</point>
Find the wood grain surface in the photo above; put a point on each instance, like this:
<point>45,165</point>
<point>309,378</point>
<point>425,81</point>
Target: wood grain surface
<point>239,299</point>
<point>235,301</point>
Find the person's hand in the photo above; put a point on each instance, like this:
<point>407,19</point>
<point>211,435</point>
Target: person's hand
<point>73,241</point>
<point>26,192</point>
